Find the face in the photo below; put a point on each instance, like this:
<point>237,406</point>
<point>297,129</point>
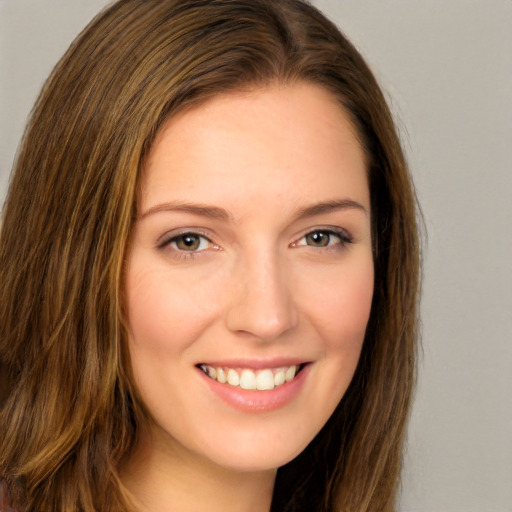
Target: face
<point>250,275</point>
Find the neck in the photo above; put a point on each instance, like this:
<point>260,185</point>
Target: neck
<point>179,481</point>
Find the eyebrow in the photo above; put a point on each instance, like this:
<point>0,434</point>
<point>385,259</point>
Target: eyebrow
<point>328,207</point>
<point>214,212</point>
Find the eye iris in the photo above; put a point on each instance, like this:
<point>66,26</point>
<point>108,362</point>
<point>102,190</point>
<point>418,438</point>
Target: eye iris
<point>318,239</point>
<point>188,242</point>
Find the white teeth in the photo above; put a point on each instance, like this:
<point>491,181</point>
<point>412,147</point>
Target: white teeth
<point>265,380</point>
<point>262,380</point>
<point>248,380</point>
<point>290,373</point>
<point>233,377</point>
<point>279,378</point>
<point>221,376</point>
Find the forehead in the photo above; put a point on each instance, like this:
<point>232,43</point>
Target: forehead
<point>277,139</point>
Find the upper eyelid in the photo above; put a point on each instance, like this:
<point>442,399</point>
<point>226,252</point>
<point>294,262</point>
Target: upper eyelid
<point>336,230</point>
<point>166,238</point>
<point>171,235</point>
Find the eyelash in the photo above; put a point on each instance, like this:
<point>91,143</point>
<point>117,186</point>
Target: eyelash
<point>184,254</point>
<point>342,235</point>
<point>344,238</point>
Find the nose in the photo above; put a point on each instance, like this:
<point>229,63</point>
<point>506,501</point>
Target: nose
<point>261,301</point>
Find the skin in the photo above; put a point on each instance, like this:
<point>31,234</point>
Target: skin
<point>255,287</point>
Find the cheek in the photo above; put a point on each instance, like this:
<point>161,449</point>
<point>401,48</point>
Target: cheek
<point>338,312</point>
<point>164,311</point>
<point>341,304</point>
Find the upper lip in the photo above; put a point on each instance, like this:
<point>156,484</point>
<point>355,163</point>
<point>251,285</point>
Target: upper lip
<point>255,364</point>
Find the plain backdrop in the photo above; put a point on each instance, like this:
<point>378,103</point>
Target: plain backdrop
<point>446,67</point>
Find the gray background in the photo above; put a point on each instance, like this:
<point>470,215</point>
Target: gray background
<point>447,69</point>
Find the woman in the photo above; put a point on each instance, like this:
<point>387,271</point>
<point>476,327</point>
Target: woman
<point>209,268</point>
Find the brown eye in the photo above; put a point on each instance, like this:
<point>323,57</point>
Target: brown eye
<point>319,238</point>
<point>325,238</point>
<point>190,242</point>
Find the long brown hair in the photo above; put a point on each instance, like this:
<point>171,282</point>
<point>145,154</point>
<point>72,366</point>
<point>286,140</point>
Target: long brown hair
<point>70,414</point>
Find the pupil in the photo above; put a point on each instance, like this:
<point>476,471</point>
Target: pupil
<point>189,242</point>
<point>318,239</point>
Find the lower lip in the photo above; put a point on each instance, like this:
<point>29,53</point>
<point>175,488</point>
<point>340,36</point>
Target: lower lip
<point>258,401</point>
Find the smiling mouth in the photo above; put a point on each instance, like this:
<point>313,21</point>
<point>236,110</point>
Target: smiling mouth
<point>264,379</point>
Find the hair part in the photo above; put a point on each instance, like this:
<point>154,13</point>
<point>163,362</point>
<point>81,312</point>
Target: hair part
<point>71,412</point>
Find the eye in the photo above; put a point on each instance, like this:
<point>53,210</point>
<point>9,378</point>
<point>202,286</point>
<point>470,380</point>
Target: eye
<point>319,239</point>
<point>191,242</point>
<point>187,242</point>
<point>324,238</point>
